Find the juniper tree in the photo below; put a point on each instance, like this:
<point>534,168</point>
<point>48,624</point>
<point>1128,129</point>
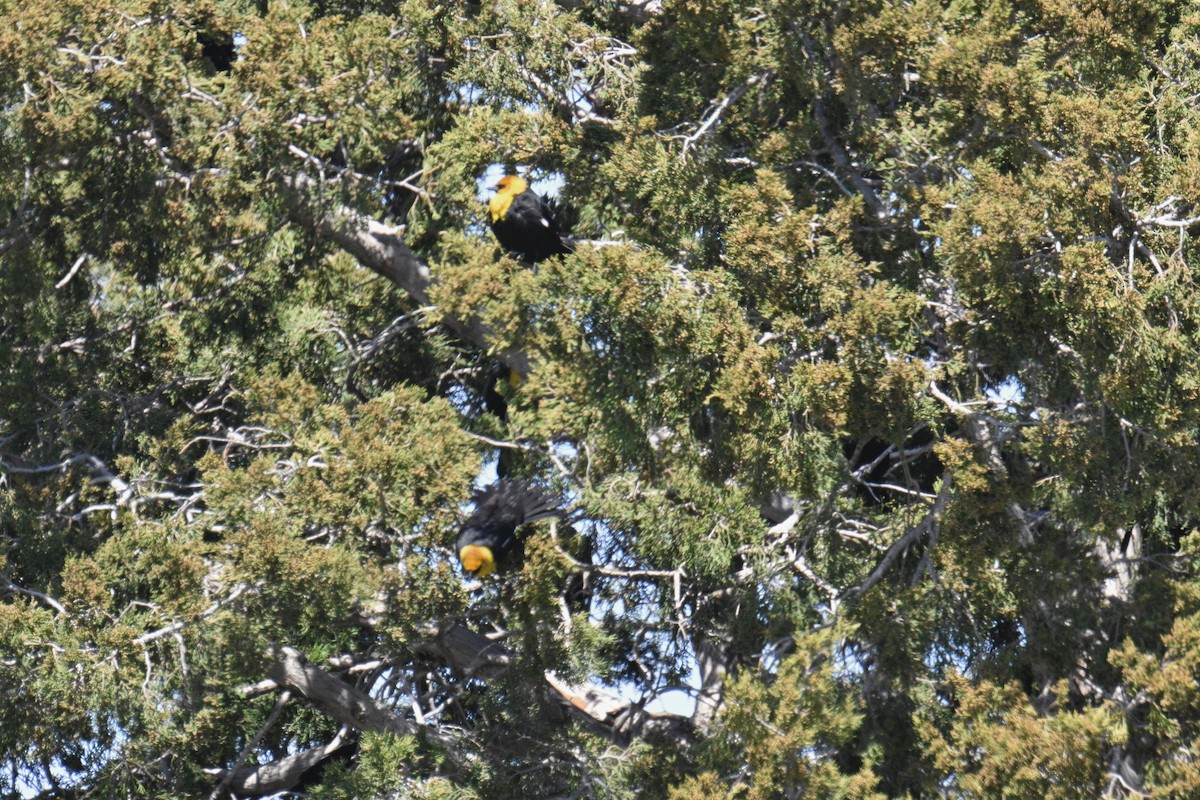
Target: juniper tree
<point>869,388</point>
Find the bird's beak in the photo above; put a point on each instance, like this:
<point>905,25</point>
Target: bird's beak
<point>478,560</point>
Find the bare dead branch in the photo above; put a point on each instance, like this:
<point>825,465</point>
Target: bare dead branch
<point>981,430</point>
<point>615,716</point>
<point>925,527</point>
<point>72,272</point>
<point>468,652</point>
<point>718,108</point>
<point>45,598</point>
<point>179,625</point>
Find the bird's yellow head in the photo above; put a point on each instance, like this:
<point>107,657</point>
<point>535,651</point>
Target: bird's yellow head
<point>477,560</point>
<point>506,188</point>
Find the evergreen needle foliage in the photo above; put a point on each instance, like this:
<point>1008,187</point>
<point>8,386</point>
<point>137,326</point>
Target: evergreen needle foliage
<point>870,392</point>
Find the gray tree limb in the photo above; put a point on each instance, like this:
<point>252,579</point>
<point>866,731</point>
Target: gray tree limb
<point>278,776</point>
<point>382,250</point>
<point>345,703</point>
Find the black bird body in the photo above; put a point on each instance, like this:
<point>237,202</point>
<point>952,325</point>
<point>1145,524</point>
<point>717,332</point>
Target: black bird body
<point>522,223</point>
<point>490,535</point>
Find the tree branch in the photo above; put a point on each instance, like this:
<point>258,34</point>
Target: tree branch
<point>721,106</point>
<point>843,160</point>
<point>345,703</point>
<point>45,598</point>
<point>278,776</point>
<point>473,654</point>
<point>926,526</point>
<point>179,625</point>
<point>280,703</point>
<point>979,431</point>
<point>382,250</point>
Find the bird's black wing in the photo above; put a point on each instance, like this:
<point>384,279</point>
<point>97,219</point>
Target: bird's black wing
<point>535,233</point>
<point>532,211</point>
<point>502,508</point>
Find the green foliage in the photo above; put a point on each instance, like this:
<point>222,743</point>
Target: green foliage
<point>869,392</point>
<point>789,728</point>
<point>998,745</point>
<point>386,768</point>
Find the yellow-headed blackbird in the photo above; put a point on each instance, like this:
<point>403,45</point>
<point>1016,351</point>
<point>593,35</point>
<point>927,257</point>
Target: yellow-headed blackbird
<point>489,536</point>
<point>523,224</point>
